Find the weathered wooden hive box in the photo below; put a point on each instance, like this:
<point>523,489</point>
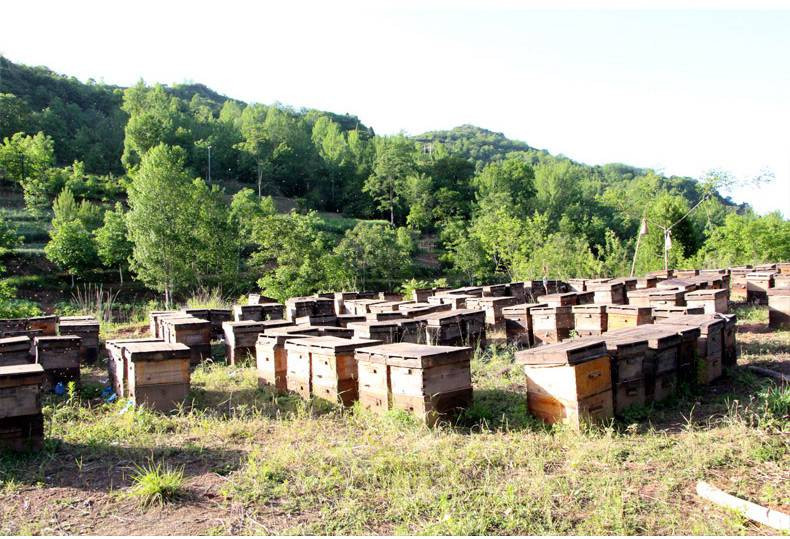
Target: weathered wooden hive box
<point>711,300</point>
<point>645,283</point>
<point>314,320</point>
<point>667,298</point>
<point>343,320</point>
<point>47,325</point>
<point>783,268</point>
<point>710,345</point>
<point>421,295</point>
<point>517,290</point>
<point>374,377</point>
<point>382,317</point>
<point>738,279</point>
<point>389,306</point>
<point>475,291</point>
<point>443,328</point>
<point>15,351</point>
<point>639,297</point>
<point>609,293</point>
<point>361,306</point>
<point>626,316</point>
<point>589,320</point>
<point>661,312</point>
<point>335,331</point>
<point>661,362</point>
<point>340,299</point>
<point>779,308</point>
<point>585,298</point>
<point>683,273</point>
<point>21,420</point>
<point>307,306</point>
<point>254,299</point>
<point>260,311</point>
<point>661,275</point>
<point>217,317</point>
<point>117,368</point>
<point>494,319</point>
<point>415,310</point>
<point>410,330</point>
<point>205,314</point>
<point>431,382</point>
<point>240,337</point>
<point>551,324</point>
<point>730,357</point>
<point>154,325</point>
<point>632,384</point>
<point>455,301</point>
<point>191,331</point>
<point>88,332</point>
<point>14,327</point>
<point>770,267</point>
<point>518,323</point>
<point>494,290</point>
<point>782,281</point>
<point>158,374</point>
<point>272,359</point>
<point>628,282</point>
<point>757,286</point>
<point>390,296</point>
<point>324,367</point>
<point>384,331</point>
<point>569,381</point>
<point>60,358</point>
<point>577,285</point>
<point>559,300</point>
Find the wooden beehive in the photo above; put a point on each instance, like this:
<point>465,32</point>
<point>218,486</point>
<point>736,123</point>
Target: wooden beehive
<point>410,330</point>
<point>259,311</point>
<point>779,308</point>
<point>608,293</point>
<point>60,358</point>
<point>645,283</point>
<point>388,306</point>
<point>414,310</point>
<point>154,317</point>
<point>757,286</point>
<point>382,317</point>
<point>240,337</point>
<point>551,324</point>
<point>385,331</point>
<point>667,298</point>
<point>88,332</point>
<point>659,313</point>
<point>13,327</point>
<point>589,320</point>
<point>577,285</point>
<point>421,295</point>
<point>585,298</point>
<point>569,381</point>
<point>272,359</point>
<point>661,362</point>
<point>518,323</point>
<point>710,345</point>
<point>442,328</point>
<point>21,421</point>
<point>361,306</point>
<point>738,280</point>
<point>474,291</point>
<point>191,331</point>
<point>390,296</point>
<point>516,290</point>
<point>782,281</point>
<point>455,301</point>
<point>217,317</point>
<point>769,267</point>
<point>431,382</point>
<point>343,320</point>
<point>158,374</point>
<point>15,351</point>
<point>117,368</point>
<point>661,275</point>
<point>254,299</point>
<point>628,282</point>
<point>373,378</point>
<point>47,325</point>
<point>494,290</point>
<point>558,299</point>
<point>783,267</point>
<point>626,316</point>
<point>340,299</point>
<point>639,297</point>
<point>711,300</point>
<point>730,353</point>
<point>494,319</point>
<point>683,273</point>
<point>313,320</point>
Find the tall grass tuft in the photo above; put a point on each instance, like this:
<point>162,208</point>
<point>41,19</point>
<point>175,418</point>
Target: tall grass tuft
<point>157,484</point>
<point>92,299</point>
<point>208,298</point>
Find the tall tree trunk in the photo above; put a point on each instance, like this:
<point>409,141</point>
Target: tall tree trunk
<point>120,273</point>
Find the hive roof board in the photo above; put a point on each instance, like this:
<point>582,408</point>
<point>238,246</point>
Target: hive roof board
<point>570,352</point>
<point>156,351</point>
<point>418,356</point>
<point>21,375</point>
<point>335,344</point>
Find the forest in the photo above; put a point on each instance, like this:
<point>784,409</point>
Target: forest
<point>180,188</point>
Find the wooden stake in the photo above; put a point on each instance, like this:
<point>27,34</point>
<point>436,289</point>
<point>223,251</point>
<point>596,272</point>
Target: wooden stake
<point>770,373</point>
<point>752,511</point>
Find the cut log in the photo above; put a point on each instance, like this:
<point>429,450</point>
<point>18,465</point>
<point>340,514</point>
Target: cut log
<point>752,511</point>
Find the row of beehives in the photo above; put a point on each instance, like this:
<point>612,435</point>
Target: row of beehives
<point>38,353</point>
<point>606,375</point>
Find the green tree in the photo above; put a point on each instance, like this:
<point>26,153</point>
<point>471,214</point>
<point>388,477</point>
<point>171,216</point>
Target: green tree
<point>394,164</point>
<point>25,156</point>
<point>245,208</point>
<point>374,253</point>
<point>112,242</point>
<point>71,246</point>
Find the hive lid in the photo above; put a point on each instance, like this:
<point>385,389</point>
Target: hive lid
<point>33,370</point>
<point>44,317</point>
<point>86,318</point>
<point>760,275</point>
<point>121,342</point>
<point>570,352</point>
<point>522,308</point>
<point>19,340</point>
<point>564,309</point>
<point>336,344</point>
<point>703,321</point>
<point>419,356</point>
<point>290,330</point>
<point>589,308</point>
<point>78,323</point>
<point>658,337</point>
<point>372,323</point>
<point>185,321</point>
<point>629,309</point>
<point>156,351</point>
<point>706,293</point>
<point>57,338</point>
<point>779,291</point>
<point>256,324</point>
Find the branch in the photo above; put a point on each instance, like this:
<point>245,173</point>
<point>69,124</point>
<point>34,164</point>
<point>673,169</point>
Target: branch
<point>752,511</point>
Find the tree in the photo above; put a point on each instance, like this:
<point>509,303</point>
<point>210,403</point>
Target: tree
<point>71,247</point>
<point>112,244</point>
<point>394,163</point>
<point>508,185</point>
<point>245,208</point>
<point>161,221</point>
<point>374,253</point>
<point>26,156</point>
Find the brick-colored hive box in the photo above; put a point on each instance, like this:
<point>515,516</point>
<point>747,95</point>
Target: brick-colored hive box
<point>518,323</point>
<point>191,331</point>
<point>626,316</point>
<point>21,421</point>
<point>87,329</point>
<point>431,382</point>
<point>272,359</point>
<point>116,362</point>
<point>551,324</point>
<point>158,374</point>
<point>47,325</point>
<point>15,351</point>
<point>589,320</point>
<point>779,308</point>
<point>569,381</point>
<point>60,358</point>
<point>710,299</point>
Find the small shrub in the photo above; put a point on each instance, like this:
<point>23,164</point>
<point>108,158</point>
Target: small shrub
<point>157,484</point>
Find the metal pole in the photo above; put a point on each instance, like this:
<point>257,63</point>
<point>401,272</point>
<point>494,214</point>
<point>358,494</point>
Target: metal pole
<point>209,165</point>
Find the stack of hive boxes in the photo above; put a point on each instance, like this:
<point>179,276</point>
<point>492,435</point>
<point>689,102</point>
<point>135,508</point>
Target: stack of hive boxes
<point>710,345</point>
<point>117,362</point>
<point>712,300</point>
<point>240,337</point>
<point>259,311</point>
<point>626,316</point>
<point>551,324</point>
<point>779,308</point>
<point>312,306</point>
<point>271,356</point>
<point>60,358</point>
<point>157,374</point>
<point>608,293</point>
<point>590,319</point>
<point>432,382</point>
<point>21,420</point>
<point>15,351</point>
<point>518,323</point>
<point>190,331</point>
<point>757,285</point>
<point>496,330</point>
<point>87,329</point>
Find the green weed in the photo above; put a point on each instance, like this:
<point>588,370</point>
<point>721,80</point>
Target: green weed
<point>157,484</point>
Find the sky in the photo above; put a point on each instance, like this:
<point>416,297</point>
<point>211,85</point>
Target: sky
<point>680,91</point>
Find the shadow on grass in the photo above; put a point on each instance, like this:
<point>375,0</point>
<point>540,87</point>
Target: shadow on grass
<point>498,409</point>
<point>265,401</point>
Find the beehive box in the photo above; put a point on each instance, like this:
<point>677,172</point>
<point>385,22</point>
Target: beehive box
<point>254,299</point>
<point>710,345</point>
<point>415,310</point>
<point>191,331</point>
<point>516,290</point>
<point>683,273</point>
<point>60,358</point>
<point>492,306</point>
<point>388,306</point>
<point>770,267</point>
<point>661,275</point>
<point>494,290</point>
<point>334,331</point>
<point>661,361</point>
<point>390,296</point>
<point>117,364</point>
<point>373,378</point>
<point>240,337</point>
<point>154,317</point>
<point>260,311</point>
<point>585,298</point>
<point>15,351</point>
<point>21,421</point>
<point>626,316</point>
<point>662,312</point>
<point>385,331</point>
<point>361,306</point>
<point>559,299</point>
<point>577,285</point>
<point>730,353</point>
<point>410,330</point>
<point>551,324</point>
<point>431,382</point>
<point>628,282</point>
<point>272,359</point>
<point>667,298</point>
<point>738,280</point>
<point>757,286</point>
<point>343,320</point>
<point>158,374</point>
<point>609,293</point>
<point>639,297</point>
<point>13,327</point>
<point>782,281</point>
<point>711,300</point>
<point>340,299</point>
<point>645,283</point>
<point>382,317</point>
<point>589,320</point>
<point>421,295</point>
<point>313,320</point>
<point>309,306</point>
<point>455,301</point>
<point>47,325</point>
<point>475,291</point>
<point>518,323</point>
<point>88,332</point>
<point>783,268</point>
<point>217,317</point>
<point>568,382</point>
<point>312,331</point>
<point>779,308</point>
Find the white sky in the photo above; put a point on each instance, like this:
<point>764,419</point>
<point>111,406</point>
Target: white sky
<point>679,91</point>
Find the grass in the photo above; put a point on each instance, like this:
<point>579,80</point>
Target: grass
<point>157,484</point>
<point>255,461</point>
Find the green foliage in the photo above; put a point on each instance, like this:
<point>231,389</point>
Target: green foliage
<point>157,484</point>
<point>394,164</point>
<point>747,239</point>
<point>112,242</point>
<point>72,247</point>
<point>245,208</point>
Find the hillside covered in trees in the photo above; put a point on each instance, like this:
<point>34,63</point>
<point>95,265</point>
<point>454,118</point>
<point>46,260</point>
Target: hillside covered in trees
<point>175,184</point>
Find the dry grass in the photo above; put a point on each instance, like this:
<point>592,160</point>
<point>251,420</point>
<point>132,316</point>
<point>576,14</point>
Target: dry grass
<point>257,462</point>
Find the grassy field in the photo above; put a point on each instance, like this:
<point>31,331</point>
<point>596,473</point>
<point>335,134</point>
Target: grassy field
<point>240,460</point>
